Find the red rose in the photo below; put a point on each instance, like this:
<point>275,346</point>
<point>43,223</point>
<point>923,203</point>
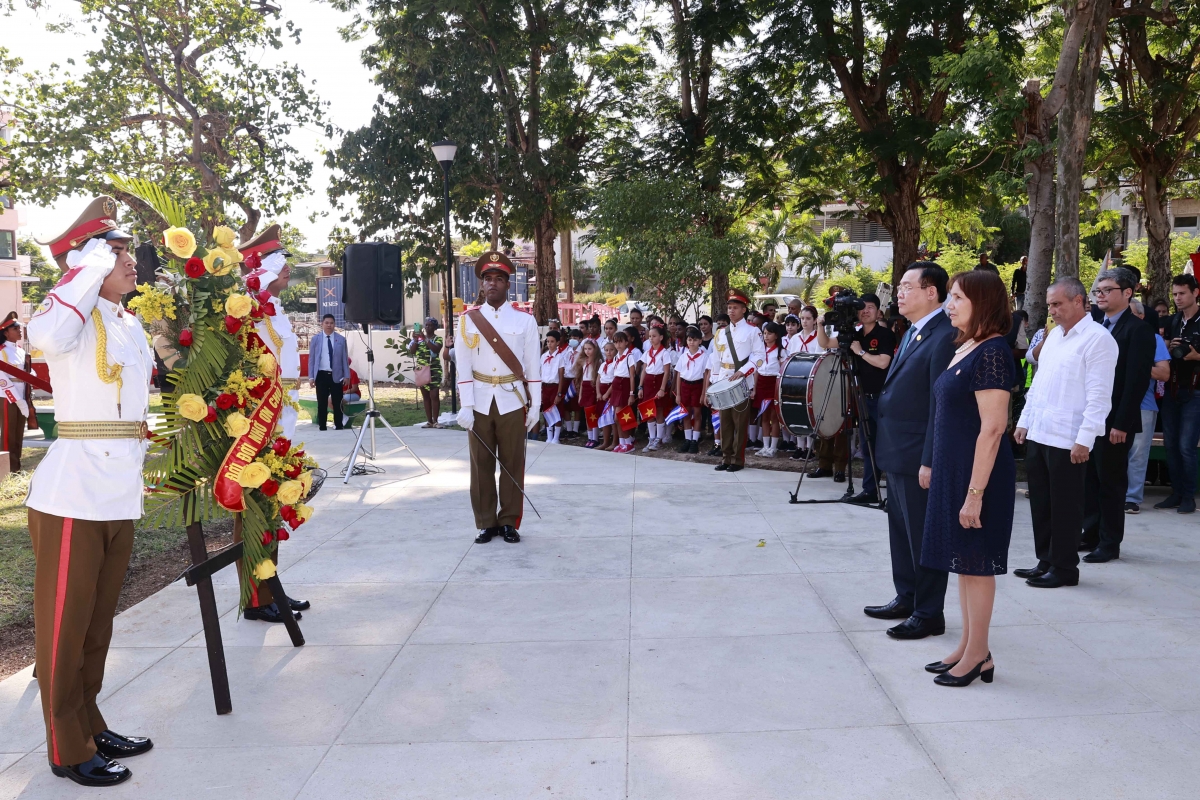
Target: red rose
<point>299,454</point>
<point>259,389</point>
<point>293,471</point>
<point>281,446</point>
<point>232,324</point>
<point>269,309</point>
<point>225,401</point>
<point>283,535</point>
<point>288,513</point>
<point>266,538</point>
<point>264,297</point>
<point>295,523</point>
<point>193,267</point>
<point>211,416</point>
<point>252,282</point>
<point>257,312</point>
<point>253,261</point>
<point>269,487</point>
<point>185,338</point>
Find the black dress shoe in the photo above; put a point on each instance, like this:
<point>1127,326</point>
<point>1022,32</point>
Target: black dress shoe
<point>938,667</point>
<point>269,613</point>
<point>839,477</point>
<point>715,452</point>
<point>1030,572</point>
<point>893,610</point>
<point>510,534</point>
<point>114,745</point>
<point>100,771</point>
<point>918,628</point>
<point>821,472</point>
<point>299,605</point>
<point>486,535</point>
<point>1172,501</point>
<point>1052,580</point>
<point>862,498</point>
<point>986,675</point>
<point>1186,506</point>
<point>735,468</point>
<point>1099,556</point>
<point>721,467</point>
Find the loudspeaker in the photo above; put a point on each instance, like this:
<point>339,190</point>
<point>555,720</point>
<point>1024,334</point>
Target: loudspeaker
<point>372,284</point>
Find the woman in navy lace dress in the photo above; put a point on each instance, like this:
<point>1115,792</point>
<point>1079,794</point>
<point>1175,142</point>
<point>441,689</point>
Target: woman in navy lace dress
<point>973,478</point>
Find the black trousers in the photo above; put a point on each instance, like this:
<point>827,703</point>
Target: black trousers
<point>328,389</point>
<point>1056,504</point>
<point>920,588</point>
<point>1104,494</point>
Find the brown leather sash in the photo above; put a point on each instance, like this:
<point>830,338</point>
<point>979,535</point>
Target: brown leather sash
<point>500,346</point>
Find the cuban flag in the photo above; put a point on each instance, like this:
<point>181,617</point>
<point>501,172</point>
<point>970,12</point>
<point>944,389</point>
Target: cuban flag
<point>552,416</point>
<point>607,416</point>
<point>762,407</point>
<point>716,420</point>
<point>570,395</point>
<point>677,414</point>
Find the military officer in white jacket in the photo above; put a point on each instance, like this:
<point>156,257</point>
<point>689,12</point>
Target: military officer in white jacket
<point>87,492</point>
<point>495,403</point>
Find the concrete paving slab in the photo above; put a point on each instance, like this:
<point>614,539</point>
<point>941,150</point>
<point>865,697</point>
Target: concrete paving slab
<point>554,558</point>
<point>712,554</point>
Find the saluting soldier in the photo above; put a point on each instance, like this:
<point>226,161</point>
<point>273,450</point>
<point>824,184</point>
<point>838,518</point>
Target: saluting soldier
<point>16,396</point>
<point>87,492</point>
<point>275,329</point>
<point>496,353</point>
<point>738,351</point>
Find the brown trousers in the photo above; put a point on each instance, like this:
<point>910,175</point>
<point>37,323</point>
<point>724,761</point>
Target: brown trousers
<point>80,568</point>
<point>260,593</point>
<point>14,433</point>
<point>834,453</point>
<point>735,426</point>
<point>503,435</point>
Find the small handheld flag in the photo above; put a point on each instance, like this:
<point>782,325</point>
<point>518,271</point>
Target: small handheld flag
<point>716,421</point>
<point>570,395</point>
<point>552,416</point>
<point>647,409</point>
<point>627,419</point>
<point>607,416</point>
<point>762,407</point>
<point>592,415</point>
<point>677,414</point>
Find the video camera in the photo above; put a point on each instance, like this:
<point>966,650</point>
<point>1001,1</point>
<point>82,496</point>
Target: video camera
<point>1187,344</point>
<point>843,313</point>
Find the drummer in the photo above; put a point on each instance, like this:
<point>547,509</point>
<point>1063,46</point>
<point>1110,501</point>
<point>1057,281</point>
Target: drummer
<point>737,353</point>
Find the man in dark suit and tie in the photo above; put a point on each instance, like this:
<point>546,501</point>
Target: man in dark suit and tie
<point>328,369</point>
<point>1108,469</point>
<point>904,450</point>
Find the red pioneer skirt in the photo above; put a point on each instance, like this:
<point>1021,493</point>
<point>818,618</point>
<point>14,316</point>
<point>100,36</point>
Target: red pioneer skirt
<point>764,389</point>
<point>689,393</point>
<point>650,387</point>
<point>587,394</point>
<point>620,392</point>
<point>549,392</point>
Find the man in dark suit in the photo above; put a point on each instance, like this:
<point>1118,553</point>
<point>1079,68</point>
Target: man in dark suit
<point>1108,469</point>
<point>904,450</point>
<point>328,369</point>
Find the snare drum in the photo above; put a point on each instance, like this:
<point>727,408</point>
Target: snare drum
<point>812,395</point>
<point>726,394</point>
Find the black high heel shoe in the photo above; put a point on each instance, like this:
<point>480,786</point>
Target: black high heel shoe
<point>938,667</point>
<point>986,675</point>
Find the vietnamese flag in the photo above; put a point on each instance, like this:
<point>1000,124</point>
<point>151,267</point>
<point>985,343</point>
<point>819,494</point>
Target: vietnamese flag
<point>648,409</point>
<point>627,419</point>
<point>592,415</point>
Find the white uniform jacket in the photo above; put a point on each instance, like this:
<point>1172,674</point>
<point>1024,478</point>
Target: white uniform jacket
<point>481,372</point>
<point>11,389</point>
<point>93,479</point>
<point>748,341</point>
<point>288,356</point>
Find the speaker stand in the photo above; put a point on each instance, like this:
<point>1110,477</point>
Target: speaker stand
<point>370,421</point>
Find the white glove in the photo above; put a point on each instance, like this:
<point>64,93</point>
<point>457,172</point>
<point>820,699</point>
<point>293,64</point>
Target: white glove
<point>532,417</point>
<point>96,253</point>
<point>466,417</point>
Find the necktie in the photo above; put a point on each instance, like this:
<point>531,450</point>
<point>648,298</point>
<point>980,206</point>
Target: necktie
<point>908,335</point>
<point>329,351</point>
<point>1107,324</point>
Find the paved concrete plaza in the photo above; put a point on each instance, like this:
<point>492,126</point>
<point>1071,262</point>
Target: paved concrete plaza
<point>664,631</point>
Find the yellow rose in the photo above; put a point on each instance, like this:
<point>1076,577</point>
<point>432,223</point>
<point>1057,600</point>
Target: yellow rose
<point>238,305</point>
<point>222,260</point>
<point>192,406</point>
<point>266,364</point>
<point>265,570</point>
<point>254,475</point>
<point>304,512</point>
<point>290,492</point>
<point>306,479</point>
<point>236,424</point>
<point>180,242</point>
<point>223,236</point>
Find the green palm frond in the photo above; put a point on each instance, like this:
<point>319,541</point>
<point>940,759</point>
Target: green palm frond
<point>154,196</point>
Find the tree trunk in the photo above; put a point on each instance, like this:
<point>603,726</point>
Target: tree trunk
<point>1039,181</point>
<point>720,293</point>
<point>902,219</point>
<point>1074,125</point>
<point>545,303</point>
<point>1158,235</point>
<point>497,211</point>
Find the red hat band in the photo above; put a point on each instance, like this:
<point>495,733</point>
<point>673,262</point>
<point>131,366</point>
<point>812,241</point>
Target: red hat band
<point>262,248</point>
<point>738,297</point>
<point>81,234</point>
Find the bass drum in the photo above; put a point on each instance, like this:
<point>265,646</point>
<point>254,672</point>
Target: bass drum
<point>812,395</point>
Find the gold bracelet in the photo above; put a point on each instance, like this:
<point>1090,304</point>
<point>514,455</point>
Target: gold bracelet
<point>972,490</point>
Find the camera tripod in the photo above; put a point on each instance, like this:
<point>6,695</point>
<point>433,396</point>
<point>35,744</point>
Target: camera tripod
<point>846,376</point>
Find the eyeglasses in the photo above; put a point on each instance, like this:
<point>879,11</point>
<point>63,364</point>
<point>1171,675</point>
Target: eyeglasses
<point>1103,292</point>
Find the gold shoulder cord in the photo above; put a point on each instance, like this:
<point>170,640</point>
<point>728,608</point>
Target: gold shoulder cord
<point>471,339</point>
<point>276,339</point>
<point>107,374</point>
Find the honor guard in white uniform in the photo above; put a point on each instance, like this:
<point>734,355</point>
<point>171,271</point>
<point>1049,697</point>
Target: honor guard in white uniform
<point>275,329</point>
<point>16,399</point>
<point>741,357</point>
<point>499,404</point>
<point>87,492</point>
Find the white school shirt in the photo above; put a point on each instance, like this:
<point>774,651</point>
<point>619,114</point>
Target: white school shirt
<point>797,343</point>
<point>608,371</point>
<point>772,361</point>
<point>691,367</point>
<point>656,363</point>
<point>1071,393</point>
<point>551,364</point>
<point>623,364</point>
<point>602,340</point>
<point>13,389</point>
<point>568,356</point>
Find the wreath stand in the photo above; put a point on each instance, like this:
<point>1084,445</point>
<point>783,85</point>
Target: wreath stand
<point>200,575</point>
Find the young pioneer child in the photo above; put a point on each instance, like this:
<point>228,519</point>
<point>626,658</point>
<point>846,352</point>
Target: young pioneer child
<point>552,369</point>
<point>623,372</point>
<point>608,371</point>
<point>691,380</point>
<point>587,371</point>
<point>655,381</point>
<point>765,386</point>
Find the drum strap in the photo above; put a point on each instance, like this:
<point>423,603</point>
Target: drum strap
<point>738,363</point>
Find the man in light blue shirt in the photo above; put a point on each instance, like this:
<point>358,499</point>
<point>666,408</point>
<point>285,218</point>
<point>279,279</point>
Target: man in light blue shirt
<point>1139,455</point>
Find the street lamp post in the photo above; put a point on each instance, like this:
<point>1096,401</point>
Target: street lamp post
<point>444,152</point>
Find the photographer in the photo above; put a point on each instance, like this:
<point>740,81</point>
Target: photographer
<point>1180,406</point>
<point>873,346</point>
